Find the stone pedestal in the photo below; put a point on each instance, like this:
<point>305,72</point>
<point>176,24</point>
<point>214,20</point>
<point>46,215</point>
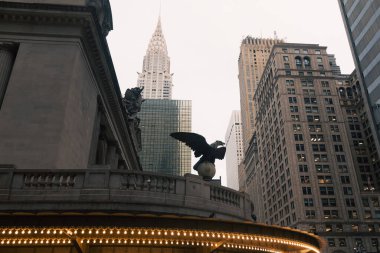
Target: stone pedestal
<point>206,170</point>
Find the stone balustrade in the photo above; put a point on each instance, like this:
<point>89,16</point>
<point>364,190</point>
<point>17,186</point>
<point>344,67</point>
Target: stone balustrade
<point>100,189</point>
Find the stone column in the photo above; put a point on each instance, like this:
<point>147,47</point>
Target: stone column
<point>7,57</point>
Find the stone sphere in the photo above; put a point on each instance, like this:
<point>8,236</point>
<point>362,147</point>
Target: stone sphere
<point>206,170</point>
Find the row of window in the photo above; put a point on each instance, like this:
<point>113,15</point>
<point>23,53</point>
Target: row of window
<point>303,51</point>
<point>310,100</point>
<point>326,190</point>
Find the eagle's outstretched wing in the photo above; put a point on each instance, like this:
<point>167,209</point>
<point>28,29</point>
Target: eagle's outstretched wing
<point>195,141</point>
<point>220,152</point>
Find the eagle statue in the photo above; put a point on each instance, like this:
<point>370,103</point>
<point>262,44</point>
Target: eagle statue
<point>200,147</point>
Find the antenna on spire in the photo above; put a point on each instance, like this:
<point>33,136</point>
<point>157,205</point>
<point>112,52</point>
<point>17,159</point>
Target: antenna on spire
<point>159,14</point>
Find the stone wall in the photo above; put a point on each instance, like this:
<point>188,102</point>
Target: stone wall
<point>103,190</point>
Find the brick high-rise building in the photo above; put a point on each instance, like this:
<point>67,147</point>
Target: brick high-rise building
<point>254,53</point>
<point>310,170</point>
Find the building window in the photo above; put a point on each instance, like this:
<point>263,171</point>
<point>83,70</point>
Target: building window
<point>326,92</point>
<point>306,61</point>
<point>292,100</point>
<point>300,147</point>
<point>334,128</point>
<point>308,202</point>
<point>345,179</point>
<point>347,191</point>
<point>330,109</point>
<point>322,168</point>
<point>367,214</point>
<point>301,157</point>
<point>289,82</point>
<point>319,147</point>
<point>303,168</point>
<point>295,117</point>
<point>313,118</point>
<point>305,179</point>
<point>325,84</point>
<point>293,108</point>
<point>352,214</point>
<point>298,61</point>
<point>311,109</point>
<point>342,242</point>
<point>328,202</point>
<point>331,242</point>
<point>342,169</point>
<point>330,214</point>
<point>298,137</point>
<point>328,101</point>
<point>350,202</point>
<point>336,138</point>
<point>340,158</point>
<point>315,128</point>
<point>320,158</point>
<point>291,91</point>
<point>310,100</point>
<point>296,127</point>
<point>326,190</point>
<point>338,148</point>
<point>324,179</point>
<point>375,202</point>
<point>316,137</point>
<point>286,58</point>
<point>317,51</point>
<point>306,190</point>
<point>310,214</point>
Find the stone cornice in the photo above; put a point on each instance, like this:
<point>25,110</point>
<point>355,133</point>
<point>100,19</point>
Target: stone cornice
<point>97,52</point>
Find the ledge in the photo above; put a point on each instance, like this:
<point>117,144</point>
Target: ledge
<point>110,191</point>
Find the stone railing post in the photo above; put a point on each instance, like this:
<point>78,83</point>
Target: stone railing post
<point>7,57</point>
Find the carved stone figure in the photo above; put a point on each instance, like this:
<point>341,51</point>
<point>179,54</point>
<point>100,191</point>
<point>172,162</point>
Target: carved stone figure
<point>209,152</point>
<point>132,103</point>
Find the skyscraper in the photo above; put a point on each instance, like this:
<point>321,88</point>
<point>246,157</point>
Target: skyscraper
<point>254,53</point>
<point>361,20</point>
<point>161,153</point>
<point>234,153</point>
<point>155,76</point>
<point>311,170</point>
<point>160,115</point>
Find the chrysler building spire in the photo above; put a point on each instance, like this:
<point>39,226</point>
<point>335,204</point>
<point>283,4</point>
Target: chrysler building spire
<point>155,75</point>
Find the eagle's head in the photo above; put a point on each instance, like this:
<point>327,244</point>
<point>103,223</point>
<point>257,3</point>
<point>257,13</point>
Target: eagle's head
<point>217,144</point>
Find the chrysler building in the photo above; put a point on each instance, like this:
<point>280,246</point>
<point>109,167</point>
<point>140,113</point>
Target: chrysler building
<point>155,75</point>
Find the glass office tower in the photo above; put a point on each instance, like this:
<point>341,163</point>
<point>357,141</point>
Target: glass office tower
<point>160,152</point>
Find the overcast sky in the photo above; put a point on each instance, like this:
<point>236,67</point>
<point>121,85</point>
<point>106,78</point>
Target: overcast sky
<point>203,39</point>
